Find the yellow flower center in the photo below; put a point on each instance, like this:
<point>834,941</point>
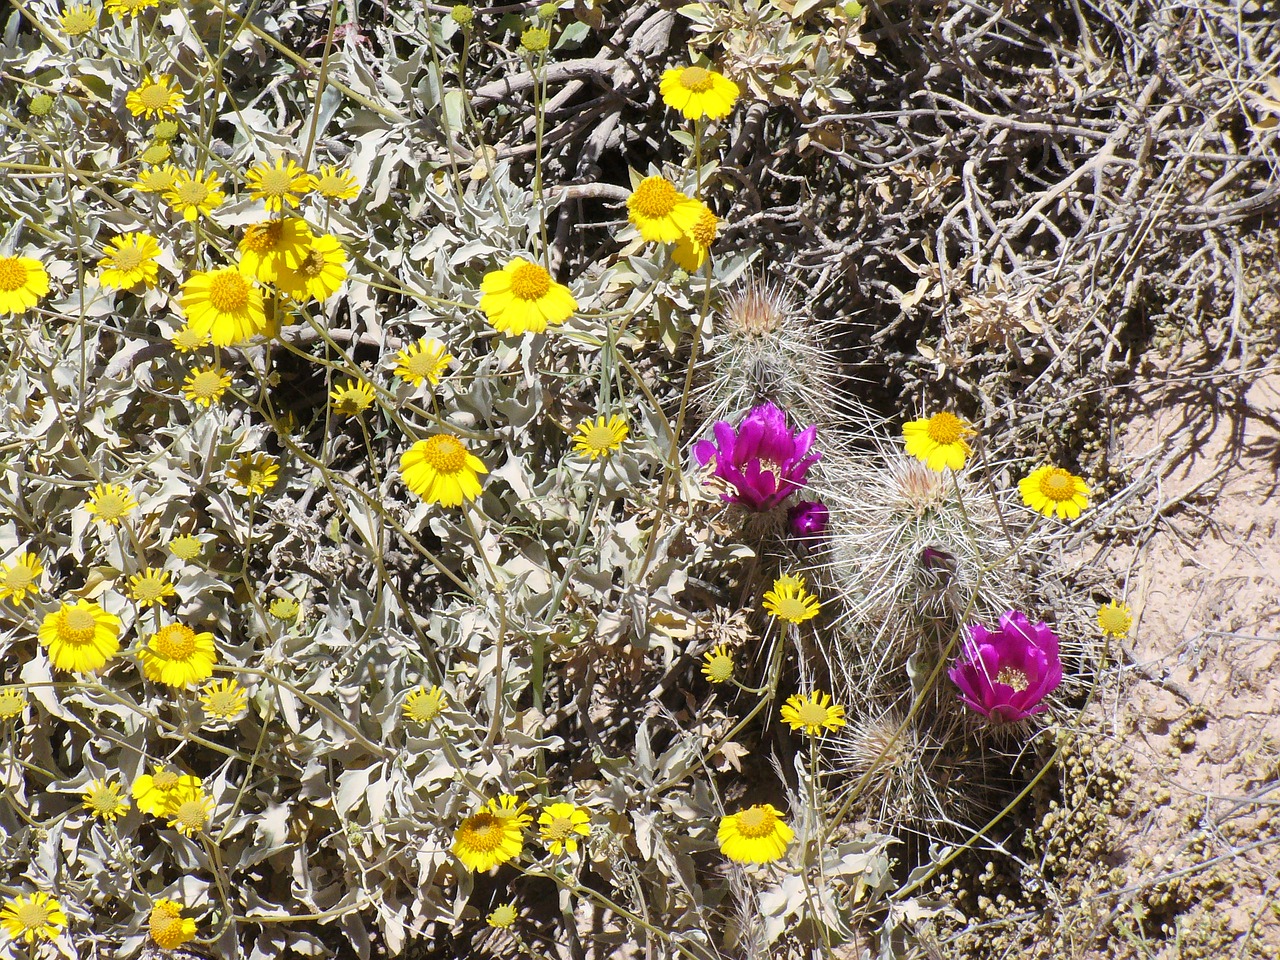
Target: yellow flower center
<point>811,714</point>
<point>102,801</point>
<point>185,547</point>
<point>191,815</point>
<point>174,642</point>
<point>420,364</point>
<point>704,231</point>
<point>110,506</point>
<point>331,184</point>
<point>149,590</point>
<point>560,828</point>
<point>263,237</point>
<point>192,193</point>
<point>792,608</point>
<point>78,20</point>
<point>11,704</point>
<point>312,264</point>
<point>720,669</point>
<point>275,183</point>
<point>530,282</point>
<point>445,454</point>
<point>425,708</point>
<point>128,258</point>
<point>1058,485</point>
<point>756,822</point>
<point>154,96</point>
<point>223,701</point>
<point>654,198</point>
<point>228,291</point>
<point>77,626</point>
<point>945,429</point>
<point>207,384</point>
<point>158,181</point>
<point>599,437</point>
<point>19,579</point>
<point>483,832</point>
<point>166,927</point>
<point>13,274</point>
<point>696,79</point>
<point>165,780</point>
<point>30,914</point>
<point>1013,677</point>
<point>1113,620</point>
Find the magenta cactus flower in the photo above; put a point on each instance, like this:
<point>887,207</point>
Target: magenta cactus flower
<point>808,518</point>
<point>763,460</point>
<point>1006,674</point>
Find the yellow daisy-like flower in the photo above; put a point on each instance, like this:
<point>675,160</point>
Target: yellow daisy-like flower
<point>130,261</point>
<point>225,305</point>
<point>169,928</point>
<point>154,97</point>
<point>32,917</point>
<point>111,502</point>
<point>441,470</point>
<point>102,799</point>
<point>186,340</point>
<point>158,180</point>
<point>334,183</point>
<point>423,705</point>
<point>254,472</point>
<point>1051,490</point>
<point>353,398</point>
<point>1115,619</point>
<point>23,281</point>
<point>151,791</point>
<point>492,835</point>
<point>150,587</point>
<point>224,699</point>
<point>81,636</point>
<point>601,438</point>
<point>755,835</point>
<point>939,441</point>
<point>186,546</point>
<point>318,274</point>
<point>424,360</point>
<point>717,664</point>
<point>21,577</point>
<point>661,212</point>
<point>522,298</point>
<point>790,601</point>
<point>13,700</point>
<point>125,8</point>
<point>698,92</point>
<point>177,656</point>
<point>206,385</point>
<point>502,918</point>
<point>284,608</point>
<point>283,182</point>
<point>268,246</point>
<point>812,714</point>
<point>692,249</point>
<point>560,825</point>
<point>195,194</point>
<point>78,19</point>
<point>187,807</point>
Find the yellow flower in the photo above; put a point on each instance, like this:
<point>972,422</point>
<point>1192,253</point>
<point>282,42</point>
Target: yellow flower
<point>160,180</point>
<point>692,248</point>
<point>206,385</point>
<point>284,608</point>
<point>78,19</point>
<point>110,502</point>
<point>939,441</point>
<point>169,928</point>
<point>23,281</point>
<point>224,699</point>
<point>283,182</point>
<point>187,807</point>
<point>273,244</point>
<point>130,261</point>
<point>1051,490</point>
<point>423,705</point>
<point>13,700</point>
<point>504,917</point>
<point>661,212</point>
<point>1115,619</point>
<point>790,601</point>
<point>717,664</point>
<point>254,472</point>
<point>813,714</point>
<point>318,274</point>
<point>335,183</point>
<point>151,791</point>
<point>560,825</point>
<point>441,470</point>
<point>81,636</point>
<point>186,340</point>
<point>154,97</point>
<point>522,298</point>
<point>601,438</point>
<point>156,153</point>
<point>177,656</point>
<point>492,835</point>
<point>353,398</point>
<point>165,130</point>
<point>151,586</point>
<point>755,835</point>
<point>103,800</point>
<point>20,577</point>
<point>185,546</point>
<point>124,8</point>
<point>193,194</point>
<point>32,917</point>
<point>424,360</point>
<point>225,305</point>
<point>697,92</point>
